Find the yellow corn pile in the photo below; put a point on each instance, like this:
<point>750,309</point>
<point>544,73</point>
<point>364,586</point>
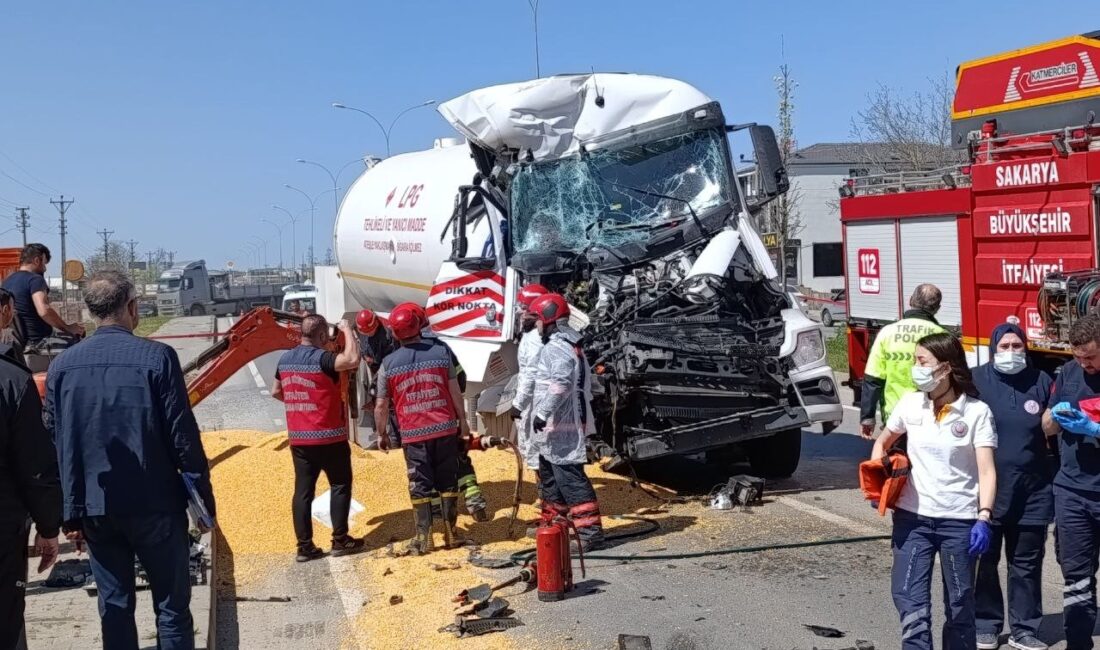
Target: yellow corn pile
<point>254,481</point>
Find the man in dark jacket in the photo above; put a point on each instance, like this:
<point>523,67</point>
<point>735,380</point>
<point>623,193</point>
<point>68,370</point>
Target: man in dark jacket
<point>28,486</point>
<point>118,409</point>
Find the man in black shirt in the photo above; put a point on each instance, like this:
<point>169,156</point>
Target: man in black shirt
<point>29,486</point>
<point>37,319</point>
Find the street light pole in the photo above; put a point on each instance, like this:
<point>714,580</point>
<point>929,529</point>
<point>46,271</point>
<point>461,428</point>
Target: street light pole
<point>385,132</point>
<point>335,192</point>
<point>280,229</point>
<point>293,236</point>
<point>263,242</point>
<point>312,215</point>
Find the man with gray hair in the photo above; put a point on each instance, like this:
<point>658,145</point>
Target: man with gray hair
<point>118,410</point>
<point>888,373</point>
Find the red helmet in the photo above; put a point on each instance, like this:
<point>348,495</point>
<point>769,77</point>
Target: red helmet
<point>405,321</point>
<point>366,321</point>
<point>528,294</point>
<point>549,308</point>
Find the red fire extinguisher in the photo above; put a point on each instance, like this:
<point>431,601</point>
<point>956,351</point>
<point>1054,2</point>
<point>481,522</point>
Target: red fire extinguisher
<point>554,563</point>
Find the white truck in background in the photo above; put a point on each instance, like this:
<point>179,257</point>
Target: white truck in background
<point>188,289</point>
<point>619,191</point>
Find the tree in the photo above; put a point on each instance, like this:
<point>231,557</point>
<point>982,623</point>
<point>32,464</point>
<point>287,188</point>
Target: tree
<point>902,131</point>
<point>118,259</point>
<point>783,216</point>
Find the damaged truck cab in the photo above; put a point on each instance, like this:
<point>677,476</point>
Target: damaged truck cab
<point>618,191</point>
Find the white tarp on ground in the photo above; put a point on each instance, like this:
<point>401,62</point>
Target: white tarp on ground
<point>552,116</point>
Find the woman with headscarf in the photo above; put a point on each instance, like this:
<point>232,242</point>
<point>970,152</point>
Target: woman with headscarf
<point>1017,393</point>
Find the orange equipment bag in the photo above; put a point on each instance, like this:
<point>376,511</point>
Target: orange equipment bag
<point>882,480</point>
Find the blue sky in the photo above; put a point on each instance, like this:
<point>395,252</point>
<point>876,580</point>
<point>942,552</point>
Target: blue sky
<point>177,124</point>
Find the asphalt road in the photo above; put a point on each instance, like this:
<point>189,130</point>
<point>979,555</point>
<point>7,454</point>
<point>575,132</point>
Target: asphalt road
<point>753,600</point>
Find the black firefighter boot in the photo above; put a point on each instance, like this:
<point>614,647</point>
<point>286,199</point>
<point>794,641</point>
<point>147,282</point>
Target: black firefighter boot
<point>421,543</point>
<point>450,518</point>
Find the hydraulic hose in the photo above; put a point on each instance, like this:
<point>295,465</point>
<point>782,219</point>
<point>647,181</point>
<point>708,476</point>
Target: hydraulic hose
<point>519,557</point>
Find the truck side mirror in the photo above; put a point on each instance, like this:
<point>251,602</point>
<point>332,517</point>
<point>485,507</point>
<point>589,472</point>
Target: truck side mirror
<point>769,162</point>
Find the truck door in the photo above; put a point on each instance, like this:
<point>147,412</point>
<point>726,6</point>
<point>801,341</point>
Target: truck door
<point>469,298</point>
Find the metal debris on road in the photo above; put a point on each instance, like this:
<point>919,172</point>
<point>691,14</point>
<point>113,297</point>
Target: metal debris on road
<point>262,599</point>
<point>826,632</point>
<point>396,599</point>
<point>463,627</point>
<point>634,642</point>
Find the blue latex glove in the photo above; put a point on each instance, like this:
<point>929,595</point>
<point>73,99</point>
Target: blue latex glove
<point>981,535</point>
<point>1075,421</point>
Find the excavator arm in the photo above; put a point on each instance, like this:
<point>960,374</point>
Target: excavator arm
<point>261,331</point>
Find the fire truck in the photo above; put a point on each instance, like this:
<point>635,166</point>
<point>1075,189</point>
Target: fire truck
<point>1010,234</point>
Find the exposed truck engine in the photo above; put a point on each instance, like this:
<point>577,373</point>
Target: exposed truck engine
<point>618,191</point>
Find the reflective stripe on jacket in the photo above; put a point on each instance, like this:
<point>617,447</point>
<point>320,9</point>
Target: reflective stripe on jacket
<point>314,410</point>
<point>416,378</point>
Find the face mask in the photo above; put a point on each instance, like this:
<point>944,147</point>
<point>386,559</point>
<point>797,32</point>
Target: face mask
<point>925,379</point>
<point>1009,362</point>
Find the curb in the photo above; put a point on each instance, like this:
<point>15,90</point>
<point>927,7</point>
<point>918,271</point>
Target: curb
<point>212,584</point>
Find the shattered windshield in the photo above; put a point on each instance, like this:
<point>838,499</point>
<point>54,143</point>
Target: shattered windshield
<point>610,197</point>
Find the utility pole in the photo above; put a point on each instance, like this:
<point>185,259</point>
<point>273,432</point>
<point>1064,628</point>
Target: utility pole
<point>22,223</point>
<point>106,234</point>
<point>62,206</point>
<point>132,244</point>
<point>171,258</point>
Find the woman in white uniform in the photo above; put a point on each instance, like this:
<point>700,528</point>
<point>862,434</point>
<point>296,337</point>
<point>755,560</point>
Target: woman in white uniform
<point>946,504</point>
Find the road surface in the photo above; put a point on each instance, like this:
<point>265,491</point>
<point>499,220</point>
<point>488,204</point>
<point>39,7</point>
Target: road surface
<point>751,601</point>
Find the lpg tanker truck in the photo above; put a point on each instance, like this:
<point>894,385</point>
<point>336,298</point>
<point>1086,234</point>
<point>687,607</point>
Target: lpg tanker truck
<point>618,191</point>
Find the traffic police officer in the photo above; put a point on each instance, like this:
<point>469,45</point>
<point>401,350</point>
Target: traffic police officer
<point>422,382</point>
<point>1076,399</point>
<point>887,374</point>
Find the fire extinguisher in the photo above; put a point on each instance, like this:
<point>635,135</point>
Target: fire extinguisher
<point>552,558</point>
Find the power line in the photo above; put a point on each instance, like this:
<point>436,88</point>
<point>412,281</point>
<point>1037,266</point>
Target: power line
<point>30,175</point>
<point>106,251</point>
<point>62,206</point>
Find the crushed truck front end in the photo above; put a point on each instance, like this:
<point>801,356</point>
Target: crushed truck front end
<point>637,218</point>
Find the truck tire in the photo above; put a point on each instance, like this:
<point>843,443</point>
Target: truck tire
<point>775,456</point>
<point>826,318</point>
<point>198,310</point>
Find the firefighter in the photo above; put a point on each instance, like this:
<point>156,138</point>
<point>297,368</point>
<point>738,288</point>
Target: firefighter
<point>307,381</point>
<point>946,505</point>
<point>1076,399</point>
<point>421,380</point>
<point>530,344</point>
<point>475,501</point>
<point>559,422</point>
<point>1017,393</point>
<point>375,344</point>
<point>886,377</point>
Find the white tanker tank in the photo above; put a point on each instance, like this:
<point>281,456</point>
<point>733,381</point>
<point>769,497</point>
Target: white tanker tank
<point>388,232</point>
<point>618,191</point>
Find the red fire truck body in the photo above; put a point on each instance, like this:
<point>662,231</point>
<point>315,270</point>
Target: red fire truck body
<point>1010,234</point>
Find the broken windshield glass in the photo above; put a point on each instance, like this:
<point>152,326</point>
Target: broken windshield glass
<point>611,197</point>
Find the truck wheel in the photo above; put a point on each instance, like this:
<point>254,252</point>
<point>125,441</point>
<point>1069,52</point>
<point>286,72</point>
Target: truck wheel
<point>826,318</point>
<point>198,310</point>
<point>776,456</point>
